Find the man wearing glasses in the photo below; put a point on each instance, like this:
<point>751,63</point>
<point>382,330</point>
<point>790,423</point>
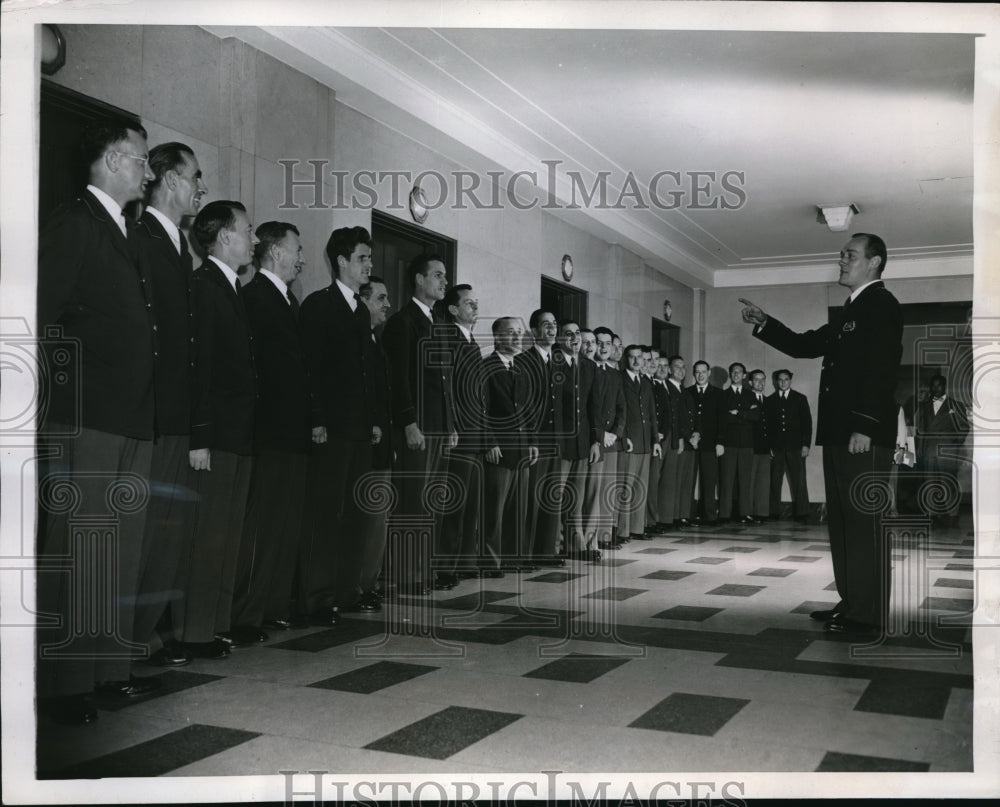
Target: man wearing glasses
<point>96,427</point>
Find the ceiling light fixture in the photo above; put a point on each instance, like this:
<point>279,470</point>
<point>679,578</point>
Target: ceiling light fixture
<point>837,216</point>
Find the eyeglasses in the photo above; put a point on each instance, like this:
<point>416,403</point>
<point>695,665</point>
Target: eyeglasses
<point>140,160</point>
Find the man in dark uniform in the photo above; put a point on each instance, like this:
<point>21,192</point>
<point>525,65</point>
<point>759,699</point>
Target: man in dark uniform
<point>510,450</point>
<point>789,430</point>
<point>760,470</point>
<point>856,424</point>
<point>336,331</point>
<point>174,194</point>
<point>376,296</point>
<point>740,411</point>
<point>686,453</point>
<point>607,427</point>
<point>282,436</point>
<point>640,443</point>
<point>222,423</point>
<point>706,406</point>
<point>676,428</point>
<point>941,426</point>
<point>100,421</point>
<point>423,412</point>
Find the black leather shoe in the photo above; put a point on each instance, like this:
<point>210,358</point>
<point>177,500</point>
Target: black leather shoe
<point>243,636</point>
<point>841,624</point>
<point>467,574</point>
<point>215,649</point>
<point>638,536</point>
<point>493,574</point>
<point>132,688</point>
<point>362,607</point>
<point>71,710</point>
<point>606,545</point>
<point>683,524</point>
<point>325,617</point>
<point>555,561</point>
<point>285,623</point>
<point>824,615</point>
<point>443,582</point>
<point>172,654</point>
<point>595,555</point>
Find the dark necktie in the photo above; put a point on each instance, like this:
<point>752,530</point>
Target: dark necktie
<point>293,302</point>
<point>237,286</point>
<point>185,254</point>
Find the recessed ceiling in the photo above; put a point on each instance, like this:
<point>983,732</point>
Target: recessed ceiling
<point>791,119</point>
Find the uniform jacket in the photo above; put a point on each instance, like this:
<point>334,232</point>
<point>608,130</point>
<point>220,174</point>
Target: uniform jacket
<point>737,431</point>
<point>420,366</point>
<point>789,423</point>
<point>761,427</point>
<point>947,428</point>
<point>607,407</point>
<point>169,273</point>
<point>283,419</point>
<point>335,340</point>
<point>380,394</point>
<point>91,286</point>
<point>861,348</point>
<point>225,386</point>
<point>467,391</point>
<point>680,415</point>
<point>506,402</point>
<point>640,413</point>
<point>707,413</point>
<point>661,397</point>
<point>576,409</point>
<point>545,391</point>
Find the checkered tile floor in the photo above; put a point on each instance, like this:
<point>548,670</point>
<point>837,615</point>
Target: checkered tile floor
<point>693,652</point>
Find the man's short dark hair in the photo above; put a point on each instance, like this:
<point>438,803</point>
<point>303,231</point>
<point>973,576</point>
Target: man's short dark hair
<point>675,357</point>
<point>938,377</point>
<point>165,157</point>
<point>758,371</point>
<point>874,248</point>
<point>270,233</point>
<point>99,135</point>
<point>601,330</point>
<point>536,317</point>
<point>418,266</point>
<point>585,330</point>
<point>631,347</point>
<point>453,294</point>
<point>701,361</point>
<point>213,217</point>
<point>342,242</point>
<point>739,364</point>
<point>566,322</point>
<point>776,373</point>
<point>367,289</point>
<point>498,323</point>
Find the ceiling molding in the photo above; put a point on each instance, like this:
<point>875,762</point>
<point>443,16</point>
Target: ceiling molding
<point>897,268</point>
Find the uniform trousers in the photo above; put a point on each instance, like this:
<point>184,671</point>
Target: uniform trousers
<point>684,494</point>
<point>545,482</point>
<point>93,496</point>
<point>790,461</point>
<point>653,485</point>
<point>602,489</point>
<point>760,485</point>
<point>669,484</point>
<point>215,547</point>
<point>632,516</point>
<point>860,552</point>
<point>736,466</point>
<point>574,504</point>
<point>706,476</point>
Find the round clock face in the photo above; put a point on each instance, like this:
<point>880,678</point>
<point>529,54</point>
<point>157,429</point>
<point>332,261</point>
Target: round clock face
<point>418,205</point>
<point>567,268</point>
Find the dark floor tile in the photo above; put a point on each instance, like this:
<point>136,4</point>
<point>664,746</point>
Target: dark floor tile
<point>688,613</point>
<point>812,605</point>
<point>613,561</point>
<point>958,567</point>
<point>554,577</point>
<point>656,550</point>
<point>576,668</point>
<point>159,756</point>
<point>817,548</point>
<point>173,681</point>
<point>615,593</point>
<point>741,549</point>
<point>947,604</point>
<point>469,602</point>
<point>736,590</point>
<point>962,553</point>
<point>444,733</point>
<point>347,632</point>
<point>857,763</point>
<point>831,587</point>
<point>953,582</point>
<point>374,677</point>
<point>693,539</point>
<point>799,558</point>
<point>666,574</point>
<point>905,694</point>
<point>710,561</point>
<point>690,714</point>
<point>764,571</point>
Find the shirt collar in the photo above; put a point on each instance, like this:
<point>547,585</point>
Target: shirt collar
<point>507,360</point>
<point>277,281</point>
<point>114,209</point>
<point>348,293</point>
<point>424,308</point>
<point>172,232</point>
<point>465,331</point>
<point>857,291</point>
<point>229,273</point>
<point>544,353</point>
<point>632,376</point>
<point>675,382</point>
